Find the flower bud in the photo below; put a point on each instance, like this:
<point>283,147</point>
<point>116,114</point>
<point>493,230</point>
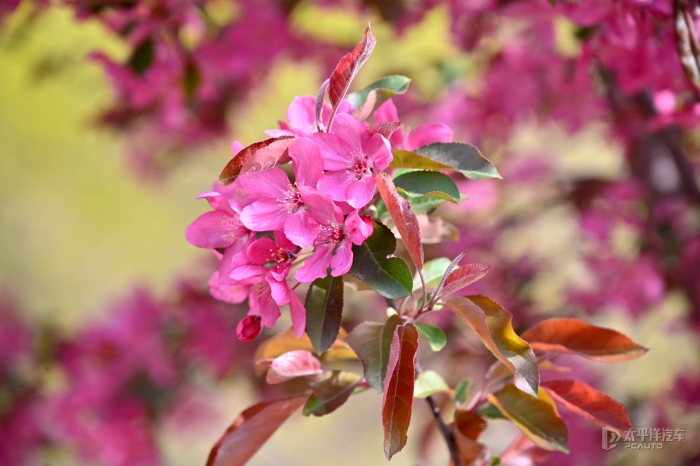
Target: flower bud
<point>249,328</point>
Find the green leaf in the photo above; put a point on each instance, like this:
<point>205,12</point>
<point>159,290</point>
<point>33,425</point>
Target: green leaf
<point>452,156</point>
<point>324,311</point>
<point>425,204</point>
<point>433,272</point>
<point>462,391</point>
<point>390,277</point>
<point>142,57</point>
<point>492,324</point>
<point>429,383</point>
<point>537,418</point>
<point>433,335</point>
<point>372,343</point>
<point>428,183</point>
<point>381,90</point>
<point>462,157</point>
<point>330,392</point>
<point>491,412</point>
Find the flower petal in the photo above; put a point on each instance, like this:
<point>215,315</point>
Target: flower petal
<point>386,112</point>
<point>266,184</point>
<point>308,164</point>
<point>301,114</point>
<point>279,290</point>
<point>233,294</point>
<point>261,251</point>
<point>360,192</point>
<point>351,130</point>
<point>334,150</point>
<point>301,229</point>
<point>342,259</point>
<point>265,215</point>
<point>321,208</point>
<point>298,314</point>
<point>317,265</point>
<point>215,229</point>
<point>336,183</point>
<point>379,152</point>
<point>357,228</point>
<point>428,134</point>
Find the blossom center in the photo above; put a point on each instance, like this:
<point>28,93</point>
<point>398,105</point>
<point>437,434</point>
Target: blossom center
<point>293,201</point>
<point>330,234</point>
<point>360,165</point>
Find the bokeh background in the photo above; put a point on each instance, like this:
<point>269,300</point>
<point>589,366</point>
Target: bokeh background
<point>112,351</point>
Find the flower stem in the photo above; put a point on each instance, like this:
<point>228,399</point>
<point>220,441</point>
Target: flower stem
<point>445,431</point>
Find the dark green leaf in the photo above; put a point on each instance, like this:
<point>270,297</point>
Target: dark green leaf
<point>428,183</point>
<point>453,156</point>
<point>433,335</point>
<point>324,311</point>
<point>372,343</point>
<point>330,392</point>
<point>390,277</point>
<point>191,79</point>
<point>142,57</point>
<point>381,90</point>
<point>491,411</point>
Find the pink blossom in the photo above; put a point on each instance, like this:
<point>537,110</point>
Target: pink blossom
<point>403,138</point>
<point>301,117</point>
<point>350,156</point>
<point>333,247</point>
<point>280,205</point>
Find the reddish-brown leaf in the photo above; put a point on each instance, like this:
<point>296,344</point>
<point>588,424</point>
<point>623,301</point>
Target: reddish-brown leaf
<point>397,402</point>
<point>466,428</point>
<point>299,363</point>
<point>257,156</point>
<point>385,128</point>
<point>404,217</point>
<point>251,430</point>
<point>574,336</point>
<point>522,450</point>
<point>492,324</point>
<point>330,392</point>
<point>286,341</point>
<point>589,403</point>
<point>463,276</point>
<point>348,67</point>
<point>319,104</point>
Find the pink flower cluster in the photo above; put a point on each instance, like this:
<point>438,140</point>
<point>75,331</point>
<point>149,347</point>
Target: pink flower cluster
<point>265,224</point>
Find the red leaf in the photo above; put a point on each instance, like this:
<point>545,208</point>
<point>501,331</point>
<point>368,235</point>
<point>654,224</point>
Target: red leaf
<point>398,389</point>
<point>319,104</point>
<point>574,336</point>
<point>404,217</point>
<point>251,430</point>
<point>466,428</point>
<point>385,128</point>
<point>463,276</point>
<point>293,364</point>
<point>256,157</point>
<point>589,403</point>
<point>348,67</point>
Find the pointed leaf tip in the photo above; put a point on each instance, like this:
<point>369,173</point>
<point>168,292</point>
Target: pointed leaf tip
<point>492,324</point>
<point>574,336</point>
<point>348,67</point>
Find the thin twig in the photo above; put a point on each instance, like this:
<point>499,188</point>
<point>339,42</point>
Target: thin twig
<point>445,431</point>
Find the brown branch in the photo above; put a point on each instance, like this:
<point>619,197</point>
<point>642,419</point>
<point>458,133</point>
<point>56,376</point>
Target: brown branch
<point>445,431</point>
